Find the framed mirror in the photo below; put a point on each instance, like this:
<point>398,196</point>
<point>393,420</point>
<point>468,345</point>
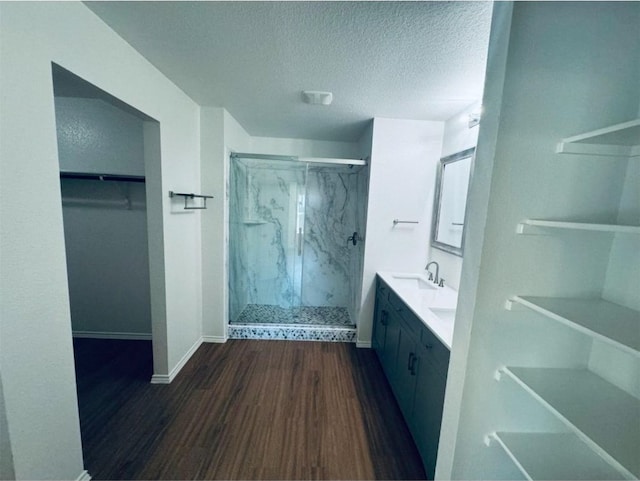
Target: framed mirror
<point>450,202</point>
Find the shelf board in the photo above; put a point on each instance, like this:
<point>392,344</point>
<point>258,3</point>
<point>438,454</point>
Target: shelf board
<point>541,456</point>
<point>533,226</point>
<point>602,415</point>
<point>603,320</point>
<point>620,140</point>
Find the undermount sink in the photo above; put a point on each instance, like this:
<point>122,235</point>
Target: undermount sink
<point>414,281</point>
<point>447,315</point>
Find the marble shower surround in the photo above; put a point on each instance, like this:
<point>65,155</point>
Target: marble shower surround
<point>269,201</point>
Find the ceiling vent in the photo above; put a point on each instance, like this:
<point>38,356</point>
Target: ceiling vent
<point>315,97</point>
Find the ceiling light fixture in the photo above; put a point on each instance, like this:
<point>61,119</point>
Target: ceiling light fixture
<point>315,97</point>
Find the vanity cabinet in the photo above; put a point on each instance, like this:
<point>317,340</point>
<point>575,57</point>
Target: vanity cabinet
<point>431,380</point>
<point>415,363</point>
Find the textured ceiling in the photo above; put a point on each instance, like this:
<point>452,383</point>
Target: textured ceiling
<point>411,60</point>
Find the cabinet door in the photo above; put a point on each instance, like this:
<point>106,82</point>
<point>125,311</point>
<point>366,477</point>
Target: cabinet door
<point>389,354</point>
<point>431,381</point>
<point>380,322</point>
<point>404,381</point>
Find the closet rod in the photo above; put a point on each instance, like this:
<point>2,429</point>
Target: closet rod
<point>104,177</point>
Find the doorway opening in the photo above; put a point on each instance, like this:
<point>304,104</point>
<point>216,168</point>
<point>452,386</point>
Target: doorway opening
<point>107,150</point>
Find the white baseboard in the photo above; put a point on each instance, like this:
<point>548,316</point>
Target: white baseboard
<point>363,344</point>
<point>160,379</point>
<point>215,339</point>
<point>84,476</point>
<point>134,336</point>
<point>167,378</point>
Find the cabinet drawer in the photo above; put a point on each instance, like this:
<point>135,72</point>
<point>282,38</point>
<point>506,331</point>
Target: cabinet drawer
<point>410,320</point>
<point>436,352</point>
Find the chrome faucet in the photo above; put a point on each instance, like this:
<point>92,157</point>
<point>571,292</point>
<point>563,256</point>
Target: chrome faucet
<point>435,279</point>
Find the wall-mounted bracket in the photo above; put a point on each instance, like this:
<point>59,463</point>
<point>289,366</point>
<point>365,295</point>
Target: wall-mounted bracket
<point>489,438</point>
<point>192,196</point>
<point>514,304</point>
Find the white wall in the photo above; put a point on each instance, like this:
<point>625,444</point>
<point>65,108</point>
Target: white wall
<point>221,134</point>
<point>457,137</point>
<point>97,137</point>
<point>304,147</point>
<point>36,351</point>
<point>404,157</point>
<point>558,79</point>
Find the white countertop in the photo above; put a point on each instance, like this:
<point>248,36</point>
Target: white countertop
<point>434,306</point>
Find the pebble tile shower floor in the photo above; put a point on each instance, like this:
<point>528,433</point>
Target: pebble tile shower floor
<point>259,321</point>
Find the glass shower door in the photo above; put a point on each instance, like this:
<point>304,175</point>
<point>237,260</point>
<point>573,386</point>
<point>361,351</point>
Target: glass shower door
<point>266,239</point>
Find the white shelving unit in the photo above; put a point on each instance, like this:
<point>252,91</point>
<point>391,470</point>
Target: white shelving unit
<point>600,319</point>
<point>620,140</point>
<point>536,226</point>
<point>545,456</point>
<point>605,417</point>
<point>604,420</point>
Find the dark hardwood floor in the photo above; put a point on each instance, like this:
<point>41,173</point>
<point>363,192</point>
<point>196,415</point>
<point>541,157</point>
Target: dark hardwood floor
<point>241,410</point>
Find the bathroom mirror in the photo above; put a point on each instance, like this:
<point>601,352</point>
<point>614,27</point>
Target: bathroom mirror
<point>450,202</point>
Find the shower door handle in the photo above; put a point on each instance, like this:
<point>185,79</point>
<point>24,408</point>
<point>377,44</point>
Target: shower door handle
<point>299,241</point>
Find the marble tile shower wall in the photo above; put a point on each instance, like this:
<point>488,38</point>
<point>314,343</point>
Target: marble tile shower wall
<point>330,219</point>
<point>265,266</point>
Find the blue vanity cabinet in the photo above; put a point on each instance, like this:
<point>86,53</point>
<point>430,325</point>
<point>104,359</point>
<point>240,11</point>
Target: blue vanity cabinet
<point>386,331</point>
<point>403,379</point>
<point>415,363</point>
<point>380,320</point>
<point>431,380</point>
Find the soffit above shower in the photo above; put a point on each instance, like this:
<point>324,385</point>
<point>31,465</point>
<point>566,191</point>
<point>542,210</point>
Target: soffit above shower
<point>410,60</point>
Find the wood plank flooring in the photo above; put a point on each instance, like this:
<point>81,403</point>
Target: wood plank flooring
<point>241,410</point>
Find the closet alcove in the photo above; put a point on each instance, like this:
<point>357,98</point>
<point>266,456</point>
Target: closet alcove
<point>104,147</point>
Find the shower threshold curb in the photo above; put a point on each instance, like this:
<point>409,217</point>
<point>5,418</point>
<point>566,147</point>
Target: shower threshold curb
<point>295,332</point>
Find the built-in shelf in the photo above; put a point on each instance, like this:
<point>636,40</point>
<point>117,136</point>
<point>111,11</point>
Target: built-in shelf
<point>541,456</point>
<point>601,414</point>
<point>614,324</point>
<point>536,226</point>
<point>620,140</point>
<point>101,177</point>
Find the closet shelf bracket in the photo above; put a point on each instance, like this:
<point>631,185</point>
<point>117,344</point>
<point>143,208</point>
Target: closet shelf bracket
<point>191,196</point>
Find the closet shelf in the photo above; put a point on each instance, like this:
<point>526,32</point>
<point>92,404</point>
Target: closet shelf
<point>533,226</point>
<point>541,456</point>
<point>601,414</point>
<point>620,140</point>
<point>102,177</point>
<point>603,320</point>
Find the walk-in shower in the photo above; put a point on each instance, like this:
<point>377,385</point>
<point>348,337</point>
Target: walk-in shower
<point>295,240</point>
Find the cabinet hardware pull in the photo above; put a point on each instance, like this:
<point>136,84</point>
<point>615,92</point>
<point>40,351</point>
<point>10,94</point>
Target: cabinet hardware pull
<point>410,363</point>
<point>413,365</point>
<point>383,319</point>
<point>428,346</point>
